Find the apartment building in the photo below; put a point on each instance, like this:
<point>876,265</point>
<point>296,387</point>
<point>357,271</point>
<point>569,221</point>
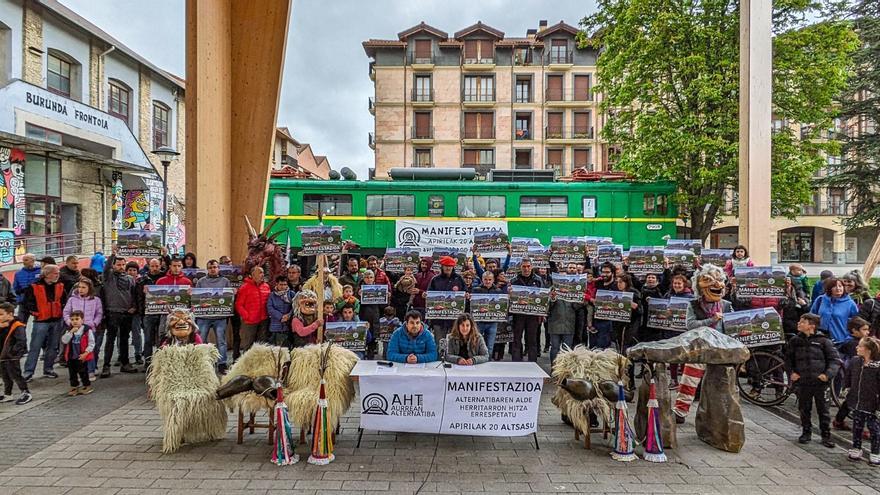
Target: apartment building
<point>79,115</point>
<point>293,159</point>
<point>483,100</point>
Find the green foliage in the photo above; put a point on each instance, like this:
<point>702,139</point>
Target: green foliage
<point>860,105</point>
<point>669,73</point>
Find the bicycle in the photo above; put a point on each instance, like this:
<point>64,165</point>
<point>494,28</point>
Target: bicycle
<point>763,379</point>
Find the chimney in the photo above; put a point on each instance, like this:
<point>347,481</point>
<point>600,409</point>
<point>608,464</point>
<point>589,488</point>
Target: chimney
<point>530,34</point>
<point>542,25</point>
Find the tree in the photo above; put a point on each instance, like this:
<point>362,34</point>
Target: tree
<point>668,71</point>
<point>860,109</point>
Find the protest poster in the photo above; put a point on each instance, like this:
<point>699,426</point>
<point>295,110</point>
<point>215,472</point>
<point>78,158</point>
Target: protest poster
<point>539,256</point>
<point>693,245</point>
<point>208,301</point>
<point>592,245</point>
<point>659,316</point>
<point>320,239</point>
<point>351,335</point>
<point>519,246</point>
<point>397,260</point>
<point>161,299</point>
<point>755,327</point>
<point>646,259</point>
<point>564,249</point>
<point>678,309</point>
<point>680,257</point>
<point>387,326</point>
<point>460,254</point>
<point>717,257</point>
<point>759,281</point>
<point>443,305</point>
<point>233,274</point>
<point>194,274</point>
<point>496,403</point>
<point>490,242</point>
<point>427,235</point>
<point>513,267</point>
<point>570,288</point>
<point>527,300</point>
<point>374,294</point>
<point>613,305</point>
<point>139,243</point>
<point>611,253</point>
<point>489,307</point>
<point>504,334</point>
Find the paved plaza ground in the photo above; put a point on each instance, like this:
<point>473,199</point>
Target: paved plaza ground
<point>110,443</point>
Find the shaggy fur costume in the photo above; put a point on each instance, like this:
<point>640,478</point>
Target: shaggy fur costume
<point>259,360</point>
<point>593,366</point>
<point>304,381</point>
<point>182,382</point>
<point>313,285</point>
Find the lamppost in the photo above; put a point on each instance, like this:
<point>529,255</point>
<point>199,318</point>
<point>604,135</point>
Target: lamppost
<point>165,154</point>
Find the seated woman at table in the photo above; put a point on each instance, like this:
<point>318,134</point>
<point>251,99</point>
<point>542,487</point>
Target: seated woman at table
<point>465,345</point>
<point>412,343</point>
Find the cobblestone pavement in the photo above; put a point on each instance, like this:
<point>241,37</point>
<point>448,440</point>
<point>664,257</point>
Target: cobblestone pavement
<point>110,443</point>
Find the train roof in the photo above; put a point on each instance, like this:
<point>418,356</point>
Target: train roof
<point>445,185</point>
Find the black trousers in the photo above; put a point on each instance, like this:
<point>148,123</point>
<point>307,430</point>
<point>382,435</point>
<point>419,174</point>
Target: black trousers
<point>807,394</point>
<point>860,420</point>
<point>530,326</point>
<point>78,371</point>
<point>10,370</point>
<point>118,326</point>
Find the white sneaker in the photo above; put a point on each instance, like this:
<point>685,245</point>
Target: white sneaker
<point>24,399</point>
<point>6,398</point>
<point>854,454</point>
<point>874,460</point>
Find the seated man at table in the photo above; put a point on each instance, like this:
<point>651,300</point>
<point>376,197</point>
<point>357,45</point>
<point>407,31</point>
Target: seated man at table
<point>412,342</point>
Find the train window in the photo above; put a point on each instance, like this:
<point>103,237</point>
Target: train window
<point>543,206</point>
<point>589,207</point>
<point>391,205</point>
<point>649,204</point>
<point>435,206</point>
<point>662,204</point>
<point>281,204</point>
<point>481,206</point>
<point>327,204</point>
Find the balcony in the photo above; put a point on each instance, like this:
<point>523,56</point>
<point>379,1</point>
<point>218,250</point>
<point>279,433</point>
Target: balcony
<point>371,141</point>
<point>372,71</point>
<point>421,136</point>
<point>371,105</point>
<point>477,135</point>
<point>478,98</point>
<point>523,58</point>
<point>567,97</point>
<point>422,97</point>
<point>826,208</point>
<point>421,63</point>
<point>559,61</point>
<point>566,135</point>
<point>478,64</point>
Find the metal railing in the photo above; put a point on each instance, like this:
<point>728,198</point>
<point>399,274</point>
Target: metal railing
<point>523,134</point>
<point>826,208</point>
<point>421,60</point>
<point>559,58</point>
<point>479,61</point>
<point>477,132</point>
<point>422,95</point>
<point>577,132</point>
<point>371,104</point>
<point>554,94</point>
<point>60,245</point>
<point>421,133</point>
<point>481,168</point>
<point>478,96</point>
<point>371,140</point>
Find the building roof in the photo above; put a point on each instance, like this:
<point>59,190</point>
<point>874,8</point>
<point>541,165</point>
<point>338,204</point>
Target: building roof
<point>77,20</point>
<point>479,26</point>
<point>284,132</point>
<point>370,46</point>
<point>422,27</point>
<point>559,26</point>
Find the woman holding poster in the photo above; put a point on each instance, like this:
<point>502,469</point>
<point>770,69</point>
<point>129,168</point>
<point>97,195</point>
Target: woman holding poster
<point>465,346</point>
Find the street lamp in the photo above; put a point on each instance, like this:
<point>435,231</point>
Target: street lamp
<point>165,154</point>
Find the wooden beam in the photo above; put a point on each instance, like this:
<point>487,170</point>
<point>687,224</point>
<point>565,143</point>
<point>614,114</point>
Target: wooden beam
<point>871,261</point>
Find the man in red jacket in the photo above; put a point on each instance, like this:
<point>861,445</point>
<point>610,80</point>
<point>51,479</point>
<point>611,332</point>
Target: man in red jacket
<point>250,303</point>
<point>175,275</point>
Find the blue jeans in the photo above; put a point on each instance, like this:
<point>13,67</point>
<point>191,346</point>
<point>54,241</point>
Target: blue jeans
<point>99,339</point>
<point>137,338</point>
<point>556,341</point>
<point>219,325</point>
<point>603,336</point>
<point>151,324</point>
<point>488,329</point>
<point>43,333</point>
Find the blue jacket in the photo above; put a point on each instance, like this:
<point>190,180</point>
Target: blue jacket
<point>24,278</point>
<point>277,307</point>
<point>835,313</point>
<point>402,345</point>
<point>98,261</point>
<point>818,290</point>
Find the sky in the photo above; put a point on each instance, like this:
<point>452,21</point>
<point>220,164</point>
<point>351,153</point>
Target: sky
<point>325,83</point>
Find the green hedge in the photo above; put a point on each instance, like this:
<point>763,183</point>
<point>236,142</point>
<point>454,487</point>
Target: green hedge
<point>874,286</point>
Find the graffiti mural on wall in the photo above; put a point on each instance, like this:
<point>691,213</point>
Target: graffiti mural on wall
<point>12,185</point>
<point>136,211</point>
<point>176,235</point>
<point>154,195</point>
<point>116,206</point>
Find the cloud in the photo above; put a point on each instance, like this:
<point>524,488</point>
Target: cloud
<point>325,85</point>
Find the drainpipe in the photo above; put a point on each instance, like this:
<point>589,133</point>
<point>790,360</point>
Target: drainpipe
<point>103,207</point>
<point>101,66</point>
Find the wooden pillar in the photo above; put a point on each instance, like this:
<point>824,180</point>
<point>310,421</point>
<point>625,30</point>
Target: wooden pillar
<point>755,115</point>
<point>234,61</point>
<point>872,260</point>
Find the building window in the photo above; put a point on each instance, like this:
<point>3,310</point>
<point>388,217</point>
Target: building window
<point>42,179</point>
<point>281,204</point>
<point>522,56</point>
<point>482,206</point>
<point>655,204</point>
<point>41,133</point>
<point>523,124</point>
<point>582,87</point>
<point>479,125</point>
<point>543,206</point>
<point>589,207</point>
<point>422,158</point>
<point>479,88</point>
<point>582,128</point>
<point>554,125</point>
<point>58,75</point>
<point>554,91</point>
<point>160,126</point>
<point>119,101</point>
<point>559,52</point>
<point>479,52</point>
<point>328,204</point>
<point>391,205</point>
<point>522,160</point>
<point>582,159</point>
<point>523,89</point>
<point>422,52</point>
<point>555,160</point>
<point>422,89</point>
<point>422,128</point>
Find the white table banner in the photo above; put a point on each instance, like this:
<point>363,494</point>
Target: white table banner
<point>491,406</point>
<point>402,403</point>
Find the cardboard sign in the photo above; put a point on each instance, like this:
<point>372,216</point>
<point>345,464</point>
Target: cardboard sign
<point>233,274</point>
<point>755,327</point>
<point>490,242</point>
<point>570,288</point>
<point>351,335</point>
<point>162,299</point>
<point>387,326</point>
<point>613,305</point>
<point>444,305</point>
<point>519,246</point>
<point>540,257</point>
<point>759,281</point>
<point>212,302</point>
<point>374,294</point>
<point>593,243</point>
<point>527,300</point>
<point>320,239</point>
<point>194,274</point>
<point>646,259</point>
<point>659,316</point>
<point>139,243</point>
<point>565,248</point>
<point>489,307</point>
<point>398,259</point>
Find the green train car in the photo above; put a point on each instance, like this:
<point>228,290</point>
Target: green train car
<point>632,213</point>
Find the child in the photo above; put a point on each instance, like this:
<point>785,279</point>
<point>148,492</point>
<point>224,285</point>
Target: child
<point>13,346</point>
<point>348,298</point>
<point>279,306</point>
<point>812,360</point>
<point>329,311</point>
<point>347,313</point>
<point>370,313</point>
<point>858,329</point>
<point>863,379</point>
<point>79,342</point>
<point>387,324</point>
